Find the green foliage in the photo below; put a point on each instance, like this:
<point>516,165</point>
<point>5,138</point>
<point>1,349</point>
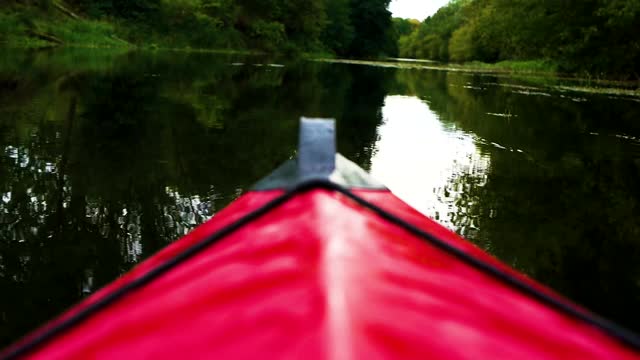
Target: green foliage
<point>530,65</point>
<point>344,27</point>
<point>461,44</point>
<point>29,27</point>
<point>338,32</point>
<point>304,21</point>
<point>404,27</point>
<point>270,34</point>
<point>128,9</point>
<point>87,33</point>
<point>371,20</point>
<point>431,38</point>
<point>595,36</point>
<point>10,28</point>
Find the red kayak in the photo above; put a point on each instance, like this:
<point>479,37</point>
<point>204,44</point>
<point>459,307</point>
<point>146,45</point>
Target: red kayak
<point>319,261</point>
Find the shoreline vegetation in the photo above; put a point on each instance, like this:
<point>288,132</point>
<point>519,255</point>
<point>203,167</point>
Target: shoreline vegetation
<point>330,30</point>
<point>587,38</point>
<point>540,72</point>
<point>520,67</point>
<point>347,28</point>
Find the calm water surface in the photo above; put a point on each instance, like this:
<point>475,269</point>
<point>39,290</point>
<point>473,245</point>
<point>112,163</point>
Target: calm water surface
<point>106,158</point>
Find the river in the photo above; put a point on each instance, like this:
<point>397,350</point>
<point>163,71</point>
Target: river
<point>107,157</point>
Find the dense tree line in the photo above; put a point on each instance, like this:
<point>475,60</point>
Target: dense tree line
<point>360,28</point>
<point>595,36</point>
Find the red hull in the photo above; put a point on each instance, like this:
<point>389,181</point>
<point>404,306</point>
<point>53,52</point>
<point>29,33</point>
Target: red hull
<point>322,277</point>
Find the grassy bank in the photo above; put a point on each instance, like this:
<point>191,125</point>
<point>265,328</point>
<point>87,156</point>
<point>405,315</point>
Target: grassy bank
<point>517,66</point>
<point>535,67</point>
<point>538,72</point>
<point>32,28</point>
<point>292,28</point>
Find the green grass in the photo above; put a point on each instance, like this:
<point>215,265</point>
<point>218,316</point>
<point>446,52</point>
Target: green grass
<point>520,66</point>
<point>27,26</point>
<point>19,25</point>
<point>541,67</point>
<point>13,32</point>
<point>602,90</point>
<point>536,72</point>
<point>86,33</point>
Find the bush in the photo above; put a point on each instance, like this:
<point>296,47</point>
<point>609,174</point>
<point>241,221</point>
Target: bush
<point>81,32</point>
<point>268,35</point>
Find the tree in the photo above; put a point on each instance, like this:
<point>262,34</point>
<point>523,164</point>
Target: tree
<point>461,46</point>
<point>404,27</point>
<point>594,36</point>
<point>373,28</point>
<point>339,31</point>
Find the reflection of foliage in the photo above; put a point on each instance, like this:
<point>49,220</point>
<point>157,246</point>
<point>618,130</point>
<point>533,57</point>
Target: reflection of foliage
<point>560,200</point>
<point>101,167</point>
<point>359,119</point>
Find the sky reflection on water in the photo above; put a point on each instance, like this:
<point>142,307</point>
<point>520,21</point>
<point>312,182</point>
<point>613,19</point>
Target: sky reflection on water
<point>419,158</point>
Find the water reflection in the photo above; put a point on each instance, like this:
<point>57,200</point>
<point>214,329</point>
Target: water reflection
<point>557,201</point>
<point>421,160</point>
<point>106,158</point>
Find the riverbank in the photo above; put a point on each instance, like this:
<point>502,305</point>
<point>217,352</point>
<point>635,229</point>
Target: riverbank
<point>29,27</point>
<point>203,24</point>
<point>539,72</point>
<point>596,38</point>
<point>516,66</point>
<point>33,27</point>
<point>534,67</point>
<point>60,25</point>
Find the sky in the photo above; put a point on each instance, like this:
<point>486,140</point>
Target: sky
<point>415,9</point>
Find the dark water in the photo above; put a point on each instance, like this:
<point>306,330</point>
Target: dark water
<point>106,158</point>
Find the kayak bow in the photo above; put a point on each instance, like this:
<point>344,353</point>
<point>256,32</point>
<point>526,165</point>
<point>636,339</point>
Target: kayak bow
<point>321,261</point>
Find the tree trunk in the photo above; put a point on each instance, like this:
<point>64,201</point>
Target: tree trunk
<point>65,11</point>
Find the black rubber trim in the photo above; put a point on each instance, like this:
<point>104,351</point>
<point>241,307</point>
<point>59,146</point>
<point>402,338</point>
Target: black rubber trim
<point>624,336</point>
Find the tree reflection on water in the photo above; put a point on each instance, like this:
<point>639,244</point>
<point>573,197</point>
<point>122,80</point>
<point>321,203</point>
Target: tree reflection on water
<point>106,162</point>
<point>106,158</point>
